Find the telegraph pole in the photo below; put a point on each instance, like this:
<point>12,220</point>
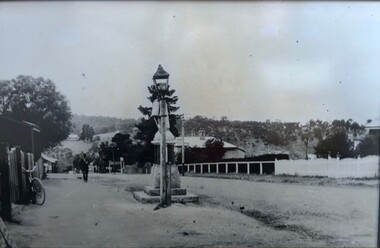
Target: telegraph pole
<point>183,144</point>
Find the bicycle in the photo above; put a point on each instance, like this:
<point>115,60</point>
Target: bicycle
<point>36,189</point>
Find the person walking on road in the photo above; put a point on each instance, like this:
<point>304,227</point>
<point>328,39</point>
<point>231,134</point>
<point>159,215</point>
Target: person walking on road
<point>84,167</point>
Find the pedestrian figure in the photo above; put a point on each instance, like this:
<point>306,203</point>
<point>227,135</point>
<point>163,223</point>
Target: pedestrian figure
<point>114,168</point>
<point>84,167</point>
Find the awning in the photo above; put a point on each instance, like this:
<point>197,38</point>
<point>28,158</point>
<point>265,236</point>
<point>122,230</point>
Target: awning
<point>49,159</point>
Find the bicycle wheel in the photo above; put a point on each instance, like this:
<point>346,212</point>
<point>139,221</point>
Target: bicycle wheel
<point>39,191</point>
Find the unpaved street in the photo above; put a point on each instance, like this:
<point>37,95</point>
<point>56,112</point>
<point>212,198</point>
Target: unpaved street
<point>103,213</point>
<point>339,215</point>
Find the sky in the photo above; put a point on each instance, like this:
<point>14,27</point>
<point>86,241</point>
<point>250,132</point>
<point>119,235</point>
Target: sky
<point>288,61</point>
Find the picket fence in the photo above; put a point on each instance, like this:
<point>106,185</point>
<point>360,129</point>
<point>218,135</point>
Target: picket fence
<point>367,167</point>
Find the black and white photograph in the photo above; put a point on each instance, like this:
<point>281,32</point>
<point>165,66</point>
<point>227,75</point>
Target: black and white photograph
<point>144,124</point>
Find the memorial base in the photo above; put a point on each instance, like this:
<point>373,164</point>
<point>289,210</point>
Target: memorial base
<point>151,194</point>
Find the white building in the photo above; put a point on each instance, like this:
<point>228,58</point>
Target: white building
<point>73,136</point>
<point>232,151</point>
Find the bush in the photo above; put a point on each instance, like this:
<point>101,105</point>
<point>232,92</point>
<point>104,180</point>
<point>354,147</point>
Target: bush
<point>336,144</point>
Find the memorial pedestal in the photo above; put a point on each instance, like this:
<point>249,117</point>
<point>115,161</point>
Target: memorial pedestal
<point>151,194</point>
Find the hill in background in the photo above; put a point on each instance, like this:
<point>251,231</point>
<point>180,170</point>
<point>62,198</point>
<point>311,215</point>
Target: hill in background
<point>76,147</point>
<point>256,138</point>
<point>106,137</point>
<point>102,124</point>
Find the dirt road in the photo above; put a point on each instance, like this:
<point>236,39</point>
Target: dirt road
<point>339,215</point>
<point>103,213</point>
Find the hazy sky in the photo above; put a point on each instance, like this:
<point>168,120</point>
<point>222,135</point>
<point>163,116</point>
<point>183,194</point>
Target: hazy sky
<point>291,61</point>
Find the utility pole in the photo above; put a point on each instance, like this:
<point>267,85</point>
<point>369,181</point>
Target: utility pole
<point>183,144</point>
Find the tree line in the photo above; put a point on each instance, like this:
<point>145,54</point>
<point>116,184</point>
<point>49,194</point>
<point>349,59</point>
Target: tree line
<point>37,100</point>
<point>102,124</point>
<point>334,138</point>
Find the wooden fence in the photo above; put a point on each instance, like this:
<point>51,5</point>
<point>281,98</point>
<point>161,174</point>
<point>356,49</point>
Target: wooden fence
<point>13,181</point>
<point>17,160</point>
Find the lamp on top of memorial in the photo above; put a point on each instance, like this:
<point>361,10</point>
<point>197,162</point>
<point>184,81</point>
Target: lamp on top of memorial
<point>161,80</point>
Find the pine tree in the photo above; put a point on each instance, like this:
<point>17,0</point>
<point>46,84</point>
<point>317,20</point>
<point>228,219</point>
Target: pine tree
<point>147,126</point>
<point>87,132</point>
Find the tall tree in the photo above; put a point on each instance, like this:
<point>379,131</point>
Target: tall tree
<point>348,126</point>
<point>38,101</point>
<point>147,126</point>
<point>214,149</point>
<point>170,100</point>
<point>87,132</point>
<point>306,134</point>
<point>335,144</point>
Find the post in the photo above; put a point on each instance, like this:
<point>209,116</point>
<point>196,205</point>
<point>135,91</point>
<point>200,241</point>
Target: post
<point>6,206</point>
<point>329,173</point>
<point>217,168</point>
<point>237,168</point>
<point>248,169</point>
<point>32,130</point>
<point>183,145</point>
<point>338,166</point>
<point>275,162</point>
<point>121,165</point>
<point>113,159</point>
<point>19,175</point>
<point>165,183</point>
<point>261,168</point>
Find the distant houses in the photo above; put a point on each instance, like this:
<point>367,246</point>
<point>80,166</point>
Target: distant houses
<point>193,141</point>
<point>49,163</point>
<point>372,130</point>
<point>73,137</point>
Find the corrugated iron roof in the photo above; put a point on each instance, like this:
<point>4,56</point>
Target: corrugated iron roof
<point>47,158</point>
<point>199,142</point>
<point>23,123</point>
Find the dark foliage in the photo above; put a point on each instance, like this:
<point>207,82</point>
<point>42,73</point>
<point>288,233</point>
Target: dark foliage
<point>239,132</point>
<point>335,144</point>
<point>214,149</point>
<point>131,152</point>
<point>37,100</point>
<point>148,128</point>
<point>106,153</point>
<point>87,132</point>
